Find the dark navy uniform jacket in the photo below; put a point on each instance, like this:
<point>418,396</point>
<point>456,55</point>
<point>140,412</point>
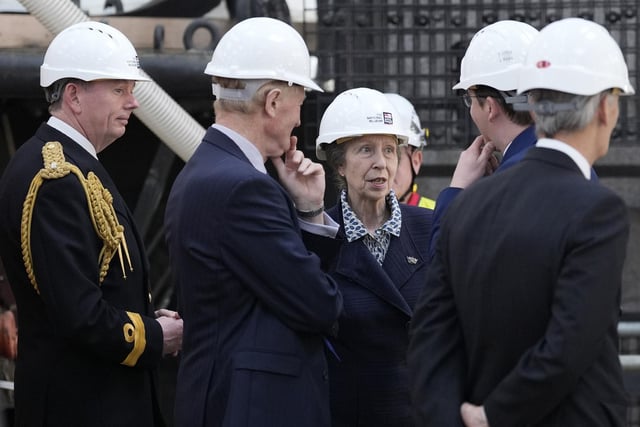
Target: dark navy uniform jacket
<point>87,351</point>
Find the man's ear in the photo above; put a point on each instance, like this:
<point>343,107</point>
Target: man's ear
<point>71,96</point>
<point>605,111</point>
<point>494,107</point>
<point>271,100</point>
<point>416,160</point>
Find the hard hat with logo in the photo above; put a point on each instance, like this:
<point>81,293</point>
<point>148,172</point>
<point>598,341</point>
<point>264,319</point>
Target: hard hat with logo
<point>263,48</point>
<point>576,56</point>
<point>408,119</point>
<point>495,55</point>
<point>357,112</point>
<point>90,51</point>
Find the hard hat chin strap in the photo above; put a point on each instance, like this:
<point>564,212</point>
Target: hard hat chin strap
<point>245,94</point>
<point>513,98</point>
<point>546,108</point>
<point>54,92</point>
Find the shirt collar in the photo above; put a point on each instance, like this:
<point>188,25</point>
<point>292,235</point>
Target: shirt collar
<point>574,154</point>
<point>76,136</point>
<point>247,148</point>
<point>355,229</point>
<point>504,152</point>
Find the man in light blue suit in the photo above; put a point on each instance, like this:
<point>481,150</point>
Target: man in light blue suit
<point>256,305</point>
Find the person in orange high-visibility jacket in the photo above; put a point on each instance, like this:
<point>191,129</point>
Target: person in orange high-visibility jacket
<point>410,155</point>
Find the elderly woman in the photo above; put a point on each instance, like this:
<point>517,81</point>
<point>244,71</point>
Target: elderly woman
<point>379,260</point>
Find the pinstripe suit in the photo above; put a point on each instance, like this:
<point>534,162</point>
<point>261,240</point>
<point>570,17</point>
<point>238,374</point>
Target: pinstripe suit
<point>254,300</point>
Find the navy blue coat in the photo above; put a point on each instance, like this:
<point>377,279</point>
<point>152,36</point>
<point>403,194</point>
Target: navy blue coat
<point>71,343</point>
<point>369,384</point>
<point>518,148</point>
<point>255,303</point>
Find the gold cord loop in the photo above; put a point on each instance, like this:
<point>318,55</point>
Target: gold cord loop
<point>100,203</point>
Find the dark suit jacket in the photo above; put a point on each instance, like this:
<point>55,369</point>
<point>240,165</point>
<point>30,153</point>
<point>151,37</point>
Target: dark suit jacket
<point>255,302</point>
<point>518,148</point>
<point>521,307</point>
<point>369,384</point>
<point>71,336</point>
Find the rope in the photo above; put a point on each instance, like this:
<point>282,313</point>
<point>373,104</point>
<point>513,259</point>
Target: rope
<point>99,201</point>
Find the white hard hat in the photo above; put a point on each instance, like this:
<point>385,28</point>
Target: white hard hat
<point>262,48</point>
<point>495,55</point>
<point>576,56</point>
<point>357,112</point>
<point>90,51</point>
<point>409,119</point>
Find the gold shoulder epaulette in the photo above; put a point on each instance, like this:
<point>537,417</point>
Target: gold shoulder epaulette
<point>99,201</point>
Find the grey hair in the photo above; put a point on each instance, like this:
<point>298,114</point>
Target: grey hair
<point>336,157</point>
<point>572,119</point>
<point>241,105</point>
<point>53,93</point>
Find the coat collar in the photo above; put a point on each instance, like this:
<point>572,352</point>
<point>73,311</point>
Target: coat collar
<point>554,157</point>
<point>235,144</point>
<point>403,259</point>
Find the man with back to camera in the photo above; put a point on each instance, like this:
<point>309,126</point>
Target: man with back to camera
<point>255,302</point>
<point>90,341</point>
<point>489,78</point>
<point>518,321</point>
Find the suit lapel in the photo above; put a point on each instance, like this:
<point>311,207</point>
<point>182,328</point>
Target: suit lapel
<point>357,263</point>
<point>402,259</point>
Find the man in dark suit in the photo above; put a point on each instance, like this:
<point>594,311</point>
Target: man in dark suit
<point>89,340</point>
<point>256,305</point>
<point>517,325</point>
<point>489,79</point>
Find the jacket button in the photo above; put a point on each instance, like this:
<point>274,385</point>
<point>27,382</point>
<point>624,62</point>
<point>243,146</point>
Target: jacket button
<point>325,375</point>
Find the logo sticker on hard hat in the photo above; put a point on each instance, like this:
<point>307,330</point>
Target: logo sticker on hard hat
<point>506,56</point>
<point>135,62</point>
<point>385,118</point>
<point>543,64</point>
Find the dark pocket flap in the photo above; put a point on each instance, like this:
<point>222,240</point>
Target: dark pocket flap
<point>268,362</point>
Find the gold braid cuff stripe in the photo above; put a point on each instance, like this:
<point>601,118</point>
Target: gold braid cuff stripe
<point>99,200</point>
<point>134,332</point>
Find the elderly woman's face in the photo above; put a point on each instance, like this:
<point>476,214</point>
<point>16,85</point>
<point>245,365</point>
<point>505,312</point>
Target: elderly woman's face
<point>370,165</point>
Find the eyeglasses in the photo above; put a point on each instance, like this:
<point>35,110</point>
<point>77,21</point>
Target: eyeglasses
<point>466,97</point>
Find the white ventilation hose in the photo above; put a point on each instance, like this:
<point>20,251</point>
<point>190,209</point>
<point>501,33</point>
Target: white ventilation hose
<point>158,111</point>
